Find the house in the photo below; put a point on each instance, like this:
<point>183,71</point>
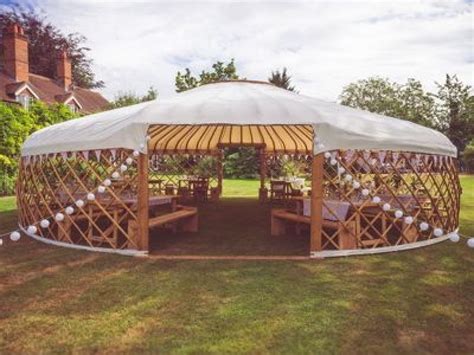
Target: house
<point>18,85</point>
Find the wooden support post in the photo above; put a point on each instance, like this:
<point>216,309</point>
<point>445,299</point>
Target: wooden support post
<point>220,170</point>
<point>263,193</point>
<point>317,203</point>
<point>142,212</point>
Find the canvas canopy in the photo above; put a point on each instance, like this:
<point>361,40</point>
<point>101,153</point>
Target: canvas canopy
<point>238,112</point>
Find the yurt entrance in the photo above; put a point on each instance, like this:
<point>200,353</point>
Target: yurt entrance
<point>233,189</point>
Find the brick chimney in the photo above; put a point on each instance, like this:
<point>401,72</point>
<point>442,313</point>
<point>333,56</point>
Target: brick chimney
<point>64,71</point>
<point>15,52</point>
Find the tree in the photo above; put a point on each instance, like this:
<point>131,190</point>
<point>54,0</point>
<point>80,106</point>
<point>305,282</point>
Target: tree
<point>455,114</point>
<point>281,79</point>
<point>468,157</point>
<point>407,101</point>
<point>45,41</point>
<point>130,98</point>
<point>220,71</point>
<point>16,124</point>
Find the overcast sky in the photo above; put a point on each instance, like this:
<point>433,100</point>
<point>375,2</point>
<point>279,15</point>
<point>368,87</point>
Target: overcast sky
<point>324,45</point>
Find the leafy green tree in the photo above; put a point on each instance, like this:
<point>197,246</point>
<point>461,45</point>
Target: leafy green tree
<point>455,111</point>
<point>241,163</point>
<point>407,101</point>
<point>468,157</point>
<point>220,71</point>
<point>281,79</point>
<point>129,98</point>
<point>16,124</point>
<point>45,41</point>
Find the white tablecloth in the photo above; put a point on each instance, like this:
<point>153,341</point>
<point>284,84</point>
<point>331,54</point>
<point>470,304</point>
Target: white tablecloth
<point>340,209</point>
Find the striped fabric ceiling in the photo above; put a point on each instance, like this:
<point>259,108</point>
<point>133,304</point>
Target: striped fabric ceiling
<point>209,138</point>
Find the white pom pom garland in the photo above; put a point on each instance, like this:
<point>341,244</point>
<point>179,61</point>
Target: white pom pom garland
<point>327,155</point>
<point>59,217</point>
<point>107,182</point>
<point>398,214</point>
<point>333,161</point>
<point>348,177</point>
<point>115,175</point>
<point>44,223</point>
<point>129,161</point>
<point>69,210</point>
<point>101,189</point>
<point>376,199</point>
<point>15,236</point>
<point>136,153</point>
<point>365,192</point>
<point>454,237</point>
<point>356,185</point>
<point>80,203</point>
<point>340,170</point>
<point>90,196</point>
<point>438,232</point>
<point>424,226</point>
<point>123,168</point>
<point>32,229</point>
<point>1,242</point>
<point>470,242</point>
<point>386,207</point>
<point>408,220</point>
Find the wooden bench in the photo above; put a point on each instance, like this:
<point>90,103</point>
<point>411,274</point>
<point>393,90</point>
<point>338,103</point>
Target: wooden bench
<point>346,233</point>
<point>186,216</point>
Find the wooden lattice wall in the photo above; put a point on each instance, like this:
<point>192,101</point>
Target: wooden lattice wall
<point>48,185</point>
<point>424,188</point>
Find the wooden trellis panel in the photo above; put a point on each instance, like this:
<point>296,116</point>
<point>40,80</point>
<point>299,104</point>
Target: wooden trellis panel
<point>47,185</point>
<point>423,187</point>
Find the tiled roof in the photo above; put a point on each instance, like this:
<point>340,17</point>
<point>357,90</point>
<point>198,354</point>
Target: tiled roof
<point>50,92</point>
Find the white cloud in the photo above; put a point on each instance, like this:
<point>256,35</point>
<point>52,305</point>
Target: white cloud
<point>324,45</point>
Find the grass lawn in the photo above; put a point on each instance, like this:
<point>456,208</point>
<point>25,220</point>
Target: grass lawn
<point>57,299</point>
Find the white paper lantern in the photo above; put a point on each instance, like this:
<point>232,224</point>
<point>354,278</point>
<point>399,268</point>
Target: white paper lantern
<point>333,161</point>
<point>136,153</point>
<point>44,223</point>
<point>398,214</point>
<point>340,170</point>
<point>376,199</point>
<point>69,210</point>
<point>123,168</point>
<point>129,161</point>
<point>470,242</point>
<point>32,229</point>
<point>59,217</point>
<point>327,155</point>
<point>365,192</point>
<point>424,226</point>
<point>80,203</point>
<point>386,207</point>
<point>115,175</point>
<point>90,196</point>
<point>438,232</point>
<point>454,237</point>
<point>356,185</point>
<point>15,236</point>
<point>408,220</point>
<point>101,189</point>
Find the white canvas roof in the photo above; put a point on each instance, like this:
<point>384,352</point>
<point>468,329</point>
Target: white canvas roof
<point>240,103</point>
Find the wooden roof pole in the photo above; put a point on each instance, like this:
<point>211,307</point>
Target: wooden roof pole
<point>317,202</point>
<point>142,213</point>
<point>262,194</point>
<point>220,170</point>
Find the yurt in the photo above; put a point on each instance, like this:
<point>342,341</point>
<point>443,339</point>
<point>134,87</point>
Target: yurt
<point>107,181</point>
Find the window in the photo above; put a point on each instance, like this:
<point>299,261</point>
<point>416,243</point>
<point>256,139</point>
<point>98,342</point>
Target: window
<point>24,100</point>
<point>73,107</point>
